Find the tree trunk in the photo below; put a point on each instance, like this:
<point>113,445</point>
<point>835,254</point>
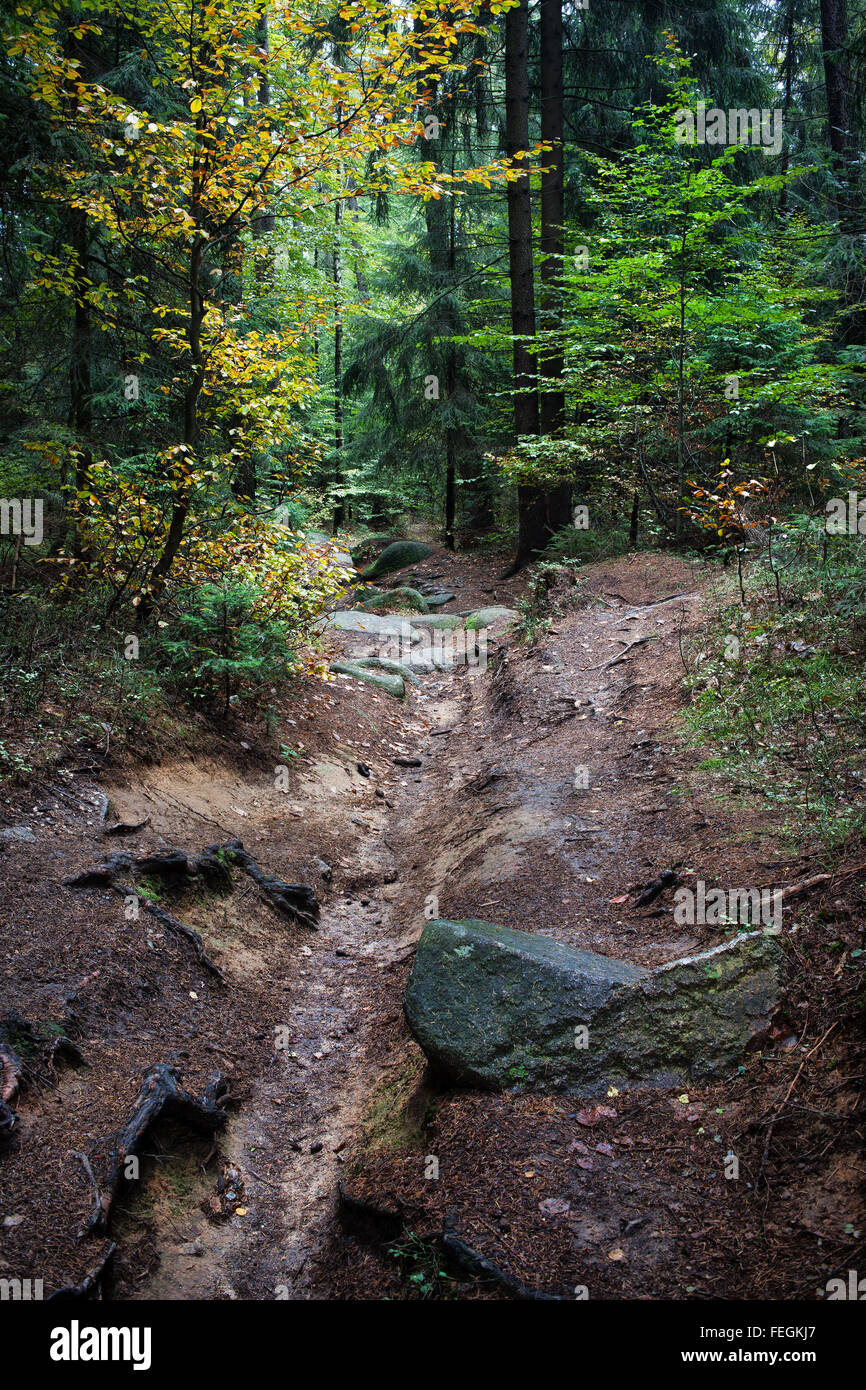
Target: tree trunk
<point>182,470</point>
<point>552,395</point>
<point>530,500</point>
<point>264,223</point>
<point>788,69</point>
<point>834,42</point>
<point>80,378</point>
<point>339,506</point>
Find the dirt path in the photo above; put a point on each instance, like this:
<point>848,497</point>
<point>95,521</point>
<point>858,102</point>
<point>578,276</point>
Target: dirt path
<point>461,834</point>
<point>534,793</point>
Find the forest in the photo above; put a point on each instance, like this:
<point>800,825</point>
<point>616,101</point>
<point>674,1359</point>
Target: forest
<point>432,552</point>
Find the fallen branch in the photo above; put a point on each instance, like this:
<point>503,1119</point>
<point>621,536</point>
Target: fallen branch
<point>794,890</point>
<point>161,1095</point>
<point>638,642</point>
<point>804,885</point>
<point>766,1153</point>
<point>652,890</point>
<point>97,1200</point>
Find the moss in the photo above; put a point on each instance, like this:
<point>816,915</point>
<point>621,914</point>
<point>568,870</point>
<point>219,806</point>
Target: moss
<point>392,1121</point>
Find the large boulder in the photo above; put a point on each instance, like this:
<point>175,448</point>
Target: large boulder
<point>396,557</point>
<point>449,621</point>
<point>401,597</point>
<point>377,624</point>
<point>367,546</point>
<point>495,1008</point>
<point>382,663</point>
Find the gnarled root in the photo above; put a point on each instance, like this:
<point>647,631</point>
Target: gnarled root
<point>161,1095</point>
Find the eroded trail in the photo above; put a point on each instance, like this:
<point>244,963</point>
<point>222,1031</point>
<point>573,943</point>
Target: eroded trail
<point>498,827</point>
<point>536,793</point>
<point>335,992</point>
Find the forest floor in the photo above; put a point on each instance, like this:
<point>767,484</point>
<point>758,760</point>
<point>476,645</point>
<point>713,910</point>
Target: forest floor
<point>327,1089</point>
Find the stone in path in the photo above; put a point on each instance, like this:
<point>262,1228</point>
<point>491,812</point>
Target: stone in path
<point>380,624</point>
<point>396,557</point>
<point>490,617</point>
<point>383,680</point>
<point>495,1008</point>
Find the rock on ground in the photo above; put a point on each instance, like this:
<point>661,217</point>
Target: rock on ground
<point>383,680</point>
<point>396,557</point>
<point>490,617</point>
<point>380,624</point>
<point>495,1008</point>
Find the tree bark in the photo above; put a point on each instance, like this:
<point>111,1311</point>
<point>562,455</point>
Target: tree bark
<point>530,500</point>
<point>551,364</point>
<point>552,395</point>
<point>339,505</point>
<point>834,43</point>
<point>80,374</point>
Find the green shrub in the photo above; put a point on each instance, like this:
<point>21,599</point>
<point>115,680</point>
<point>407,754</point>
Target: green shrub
<point>217,650</point>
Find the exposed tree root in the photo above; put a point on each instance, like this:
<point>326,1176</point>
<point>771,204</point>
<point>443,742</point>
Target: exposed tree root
<point>17,1035</point>
<point>296,900</point>
<point>122,827</point>
<point>485,1270</point>
<point>173,925</point>
<point>10,1081</point>
<point>376,1224</point>
<point>161,1095</point>
<point>89,1286</point>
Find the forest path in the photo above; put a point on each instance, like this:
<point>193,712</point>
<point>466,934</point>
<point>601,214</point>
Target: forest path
<point>481,816</point>
<point>489,826</point>
<point>334,992</point>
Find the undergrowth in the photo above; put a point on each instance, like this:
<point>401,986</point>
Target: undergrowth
<point>776,683</point>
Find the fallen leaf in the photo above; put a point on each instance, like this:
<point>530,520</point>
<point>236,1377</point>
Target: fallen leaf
<point>596,1113</point>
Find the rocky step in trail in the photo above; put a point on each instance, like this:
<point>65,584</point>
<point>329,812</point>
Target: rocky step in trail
<point>242,1036</point>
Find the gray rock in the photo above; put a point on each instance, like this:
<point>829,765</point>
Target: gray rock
<point>391,684</point>
<point>444,620</point>
<point>380,624</point>
<point>493,1007</point>
<point>401,596</point>
<point>433,659</point>
<point>383,663</point>
<point>488,617</point>
<point>396,557</point>
<point>19,832</point>
<point>437,600</point>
